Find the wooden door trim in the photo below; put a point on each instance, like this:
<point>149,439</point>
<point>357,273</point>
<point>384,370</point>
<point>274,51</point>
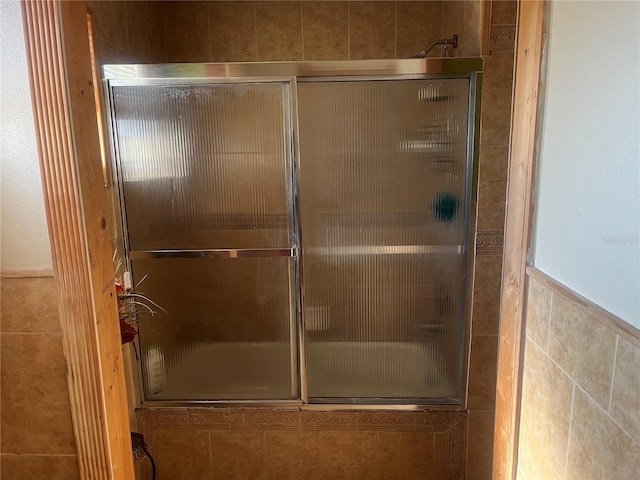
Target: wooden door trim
<point>527,93</point>
<point>57,45</point>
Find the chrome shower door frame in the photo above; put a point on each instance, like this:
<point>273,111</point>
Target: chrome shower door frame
<point>290,73</point>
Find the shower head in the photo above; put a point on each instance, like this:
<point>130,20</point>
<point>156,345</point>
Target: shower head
<point>453,41</point>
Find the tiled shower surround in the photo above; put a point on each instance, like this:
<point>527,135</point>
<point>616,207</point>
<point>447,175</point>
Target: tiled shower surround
<point>157,32</point>
<point>239,31</point>
<point>278,444</point>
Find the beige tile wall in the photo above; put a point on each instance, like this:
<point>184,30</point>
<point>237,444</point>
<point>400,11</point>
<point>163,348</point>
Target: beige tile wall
<point>465,19</point>
<point>268,444</point>
<point>207,31</point>
<point>580,412</point>
<point>127,31</point>
<point>314,30</point>
<point>36,433</point>
<point>494,156</point>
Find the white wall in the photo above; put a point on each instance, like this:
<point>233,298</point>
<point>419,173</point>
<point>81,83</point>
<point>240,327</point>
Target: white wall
<point>24,238</point>
<point>587,232</point>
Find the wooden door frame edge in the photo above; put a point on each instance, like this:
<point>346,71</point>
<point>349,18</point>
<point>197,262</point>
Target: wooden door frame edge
<point>64,110</point>
<point>528,92</point>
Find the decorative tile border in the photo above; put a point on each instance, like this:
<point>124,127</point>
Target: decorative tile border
<point>215,418</point>
<point>489,243</point>
<point>271,420</point>
<point>386,421</point>
<point>454,425</point>
<point>434,421</point>
<point>458,445</point>
<point>503,38</point>
<point>329,421</point>
<point>166,417</point>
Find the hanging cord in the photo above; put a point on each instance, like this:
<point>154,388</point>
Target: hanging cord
<point>443,41</point>
<point>139,448</point>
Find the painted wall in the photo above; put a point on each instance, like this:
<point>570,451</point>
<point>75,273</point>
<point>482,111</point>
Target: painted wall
<point>588,220</point>
<point>24,237</point>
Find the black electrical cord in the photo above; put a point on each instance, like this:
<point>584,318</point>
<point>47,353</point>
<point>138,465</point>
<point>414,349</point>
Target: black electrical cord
<point>139,448</point>
<point>153,464</point>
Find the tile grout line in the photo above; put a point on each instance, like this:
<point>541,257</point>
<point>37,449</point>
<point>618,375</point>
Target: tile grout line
<point>209,37</point>
<point>302,31</point>
<point>466,453</point>
<point>613,373</point>
<point>395,29</point>
<point>577,384</point>
<point>348,30</point>
<point>150,53</point>
<point>321,457</point>
<point>527,337</point>
<point>566,459</point>
<point>255,30</point>
<point>551,300</point>
<point>164,33</point>
<point>126,27</point>
<point>608,416</point>
<point>264,471</point>
<point>433,438</point>
<point>377,455</point>
<point>210,455</point>
<point>555,363</point>
<point>441,20</point>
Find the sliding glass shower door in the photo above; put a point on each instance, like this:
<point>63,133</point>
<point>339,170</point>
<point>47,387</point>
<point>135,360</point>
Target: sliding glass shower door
<point>307,234</point>
<point>205,175</point>
<point>384,171</point>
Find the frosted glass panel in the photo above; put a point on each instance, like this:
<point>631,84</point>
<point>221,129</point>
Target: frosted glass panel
<point>203,166</point>
<point>227,332</point>
<point>383,177</point>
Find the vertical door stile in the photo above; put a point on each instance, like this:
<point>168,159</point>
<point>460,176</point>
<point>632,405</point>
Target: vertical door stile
<point>295,202</point>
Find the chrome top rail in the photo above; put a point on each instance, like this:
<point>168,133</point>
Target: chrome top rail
<point>268,70</point>
<point>214,253</point>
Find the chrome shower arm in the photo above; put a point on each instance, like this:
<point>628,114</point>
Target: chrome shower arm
<point>443,41</point>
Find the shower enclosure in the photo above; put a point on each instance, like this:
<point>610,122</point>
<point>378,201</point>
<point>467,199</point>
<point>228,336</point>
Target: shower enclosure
<point>306,227</point>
